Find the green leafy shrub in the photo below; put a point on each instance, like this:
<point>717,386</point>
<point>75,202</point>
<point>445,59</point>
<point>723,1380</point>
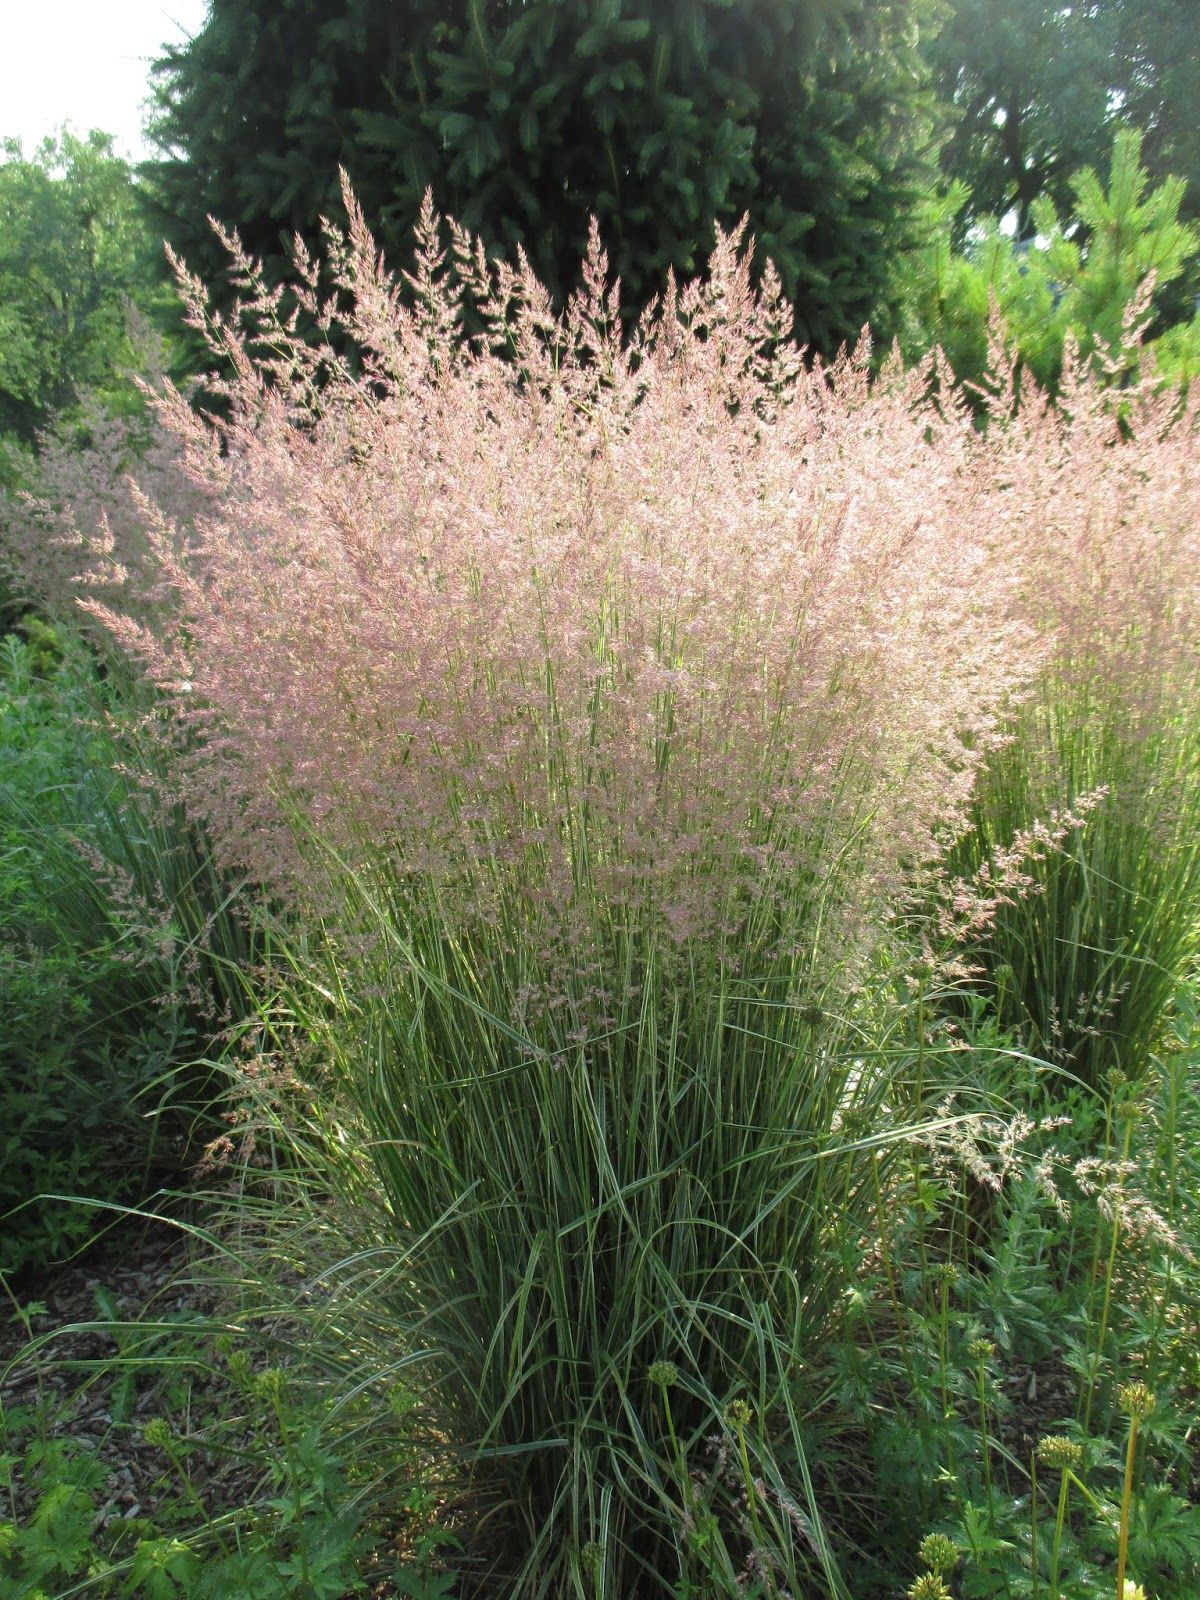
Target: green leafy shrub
<point>119,952</point>
<point>80,276</point>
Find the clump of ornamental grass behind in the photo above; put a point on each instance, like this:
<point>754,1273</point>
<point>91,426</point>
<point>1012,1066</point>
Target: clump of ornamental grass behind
<point>1101,493</point>
<point>600,699</point>
<point>88,514</point>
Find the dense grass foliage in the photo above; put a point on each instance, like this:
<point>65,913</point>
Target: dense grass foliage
<point>602,742</point>
<point>1083,968</point>
<point>719,1122</point>
<point>973,1397</point>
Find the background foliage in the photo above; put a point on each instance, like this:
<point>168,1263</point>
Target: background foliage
<point>121,953</point>
<point>1040,87</point>
<point>81,275</point>
<point>1080,278</point>
<point>815,116</point>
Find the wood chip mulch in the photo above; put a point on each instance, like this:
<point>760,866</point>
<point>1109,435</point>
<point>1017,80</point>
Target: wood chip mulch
<point>1041,1400</point>
<point>64,1378</point>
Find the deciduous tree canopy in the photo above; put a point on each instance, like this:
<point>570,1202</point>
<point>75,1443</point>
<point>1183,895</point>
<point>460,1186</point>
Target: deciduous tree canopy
<point>1041,85</point>
<point>75,259</point>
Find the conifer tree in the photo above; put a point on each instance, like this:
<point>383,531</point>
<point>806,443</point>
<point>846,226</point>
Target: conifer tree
<point>524,117</point>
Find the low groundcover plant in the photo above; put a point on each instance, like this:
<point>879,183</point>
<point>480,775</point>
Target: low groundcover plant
<point>603,700</point>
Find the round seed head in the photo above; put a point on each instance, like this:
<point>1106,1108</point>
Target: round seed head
<point>1056,1450</point>
<point>738,1414</point>
<point>702,1530</point>
<point>663,1373</point>
<point>938,1553</point>
<point>1136,1401</point>
<point>157,1433</point>
<point>929,1586</point>
<point>856,1124</point>
<point>268,1384</point>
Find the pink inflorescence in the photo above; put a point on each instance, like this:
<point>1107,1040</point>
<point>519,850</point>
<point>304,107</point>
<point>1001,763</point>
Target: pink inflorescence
<point>562,629</point>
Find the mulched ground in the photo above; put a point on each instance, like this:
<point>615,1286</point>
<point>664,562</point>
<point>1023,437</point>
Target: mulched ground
<point>140,1272</point>
<point>136,1271</point>
<point>1041,1400</point>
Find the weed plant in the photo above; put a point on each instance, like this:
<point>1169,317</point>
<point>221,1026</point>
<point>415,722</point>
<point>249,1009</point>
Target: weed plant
<point>259,1434</point>
<point>1030,1401</point>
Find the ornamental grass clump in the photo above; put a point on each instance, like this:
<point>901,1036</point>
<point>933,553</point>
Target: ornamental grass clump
<point>1101,493</point>
<point>601,700</point>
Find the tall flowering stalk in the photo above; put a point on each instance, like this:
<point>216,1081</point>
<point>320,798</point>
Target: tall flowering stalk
<point>603,698</point>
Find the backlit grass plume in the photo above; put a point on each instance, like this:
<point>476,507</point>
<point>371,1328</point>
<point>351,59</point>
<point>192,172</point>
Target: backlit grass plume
<point>551,626</point>
<point>602,698</point>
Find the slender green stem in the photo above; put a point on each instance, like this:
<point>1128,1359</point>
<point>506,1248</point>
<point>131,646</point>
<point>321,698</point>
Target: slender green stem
<point>885,1250</point>
<point>1126,1500</point>
<point>1059,1521</point>
<point>1109,1274</point>
<point>983,1350</point>
<point>752,1502</point>
<point>943,1320</point>
<point>676,1450</point>
<point>185,1480</point>
<point>918,1110</point>
<point>1097,1247</point>
<point>981,1382</point>
<point>1168,1146</point>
